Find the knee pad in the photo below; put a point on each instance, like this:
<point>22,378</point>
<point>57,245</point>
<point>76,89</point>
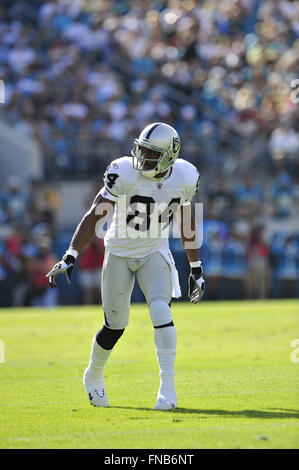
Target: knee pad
<point>107,338</point>
<point>160,313</point>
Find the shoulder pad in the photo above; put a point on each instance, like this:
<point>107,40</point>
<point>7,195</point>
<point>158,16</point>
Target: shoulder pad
<point>123,166</point>
<point>189,173</point>
<point>189,179</point>
<point>118,174</point>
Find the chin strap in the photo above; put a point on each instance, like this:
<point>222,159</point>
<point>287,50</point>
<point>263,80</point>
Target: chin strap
<point>146,174</point>
<point>154,176</point>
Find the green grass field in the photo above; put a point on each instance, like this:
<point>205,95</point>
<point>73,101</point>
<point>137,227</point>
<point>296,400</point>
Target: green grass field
<point>237,386</point>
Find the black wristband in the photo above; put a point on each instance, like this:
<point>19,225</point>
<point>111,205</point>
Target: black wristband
<point>197,272</point>
<point>69,259</point>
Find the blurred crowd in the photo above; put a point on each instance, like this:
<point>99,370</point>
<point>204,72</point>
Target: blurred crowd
<point>242,264</point>
<point>27,229</point>
<point>241,260</point>
<point>83,77</point>
<point>28,232</point>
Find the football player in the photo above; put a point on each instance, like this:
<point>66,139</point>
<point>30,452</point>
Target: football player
<point>143,191</point>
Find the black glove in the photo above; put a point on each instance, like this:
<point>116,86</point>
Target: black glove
<point>196,284</point>
<point>66,266</point>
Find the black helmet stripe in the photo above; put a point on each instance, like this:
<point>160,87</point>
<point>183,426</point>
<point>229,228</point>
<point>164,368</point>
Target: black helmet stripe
<point>151,130</point>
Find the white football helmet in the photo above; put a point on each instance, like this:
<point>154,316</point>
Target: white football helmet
<point>159,138</point>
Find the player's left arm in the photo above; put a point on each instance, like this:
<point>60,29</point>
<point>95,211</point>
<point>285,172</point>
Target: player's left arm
<point>189,233</point>
<point>189,237</point>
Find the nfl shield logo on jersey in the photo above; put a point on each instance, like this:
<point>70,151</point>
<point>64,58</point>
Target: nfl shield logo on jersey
<point>159,185</point>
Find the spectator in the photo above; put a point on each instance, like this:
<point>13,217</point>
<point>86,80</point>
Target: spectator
<point>90,265</point>
<point>234,266</point>
<point>284,141</point>
<point>20,57</point>
<point>212,259</point>
<point>13,248</point>
<point>5,298</point>
<point>258,265</point>
<point>283,194</point>
<point>286,254</point>
<point>14,200</point>
<point>39,292</point>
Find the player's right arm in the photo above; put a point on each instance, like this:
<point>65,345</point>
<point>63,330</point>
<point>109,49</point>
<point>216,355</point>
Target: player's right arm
<point>86,228</point>
<point>103,203</point>
<point>82,236</point>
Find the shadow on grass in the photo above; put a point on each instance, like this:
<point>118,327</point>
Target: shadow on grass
<point>273,414</point>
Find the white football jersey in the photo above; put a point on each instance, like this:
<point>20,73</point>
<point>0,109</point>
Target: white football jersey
<point>145,207</point>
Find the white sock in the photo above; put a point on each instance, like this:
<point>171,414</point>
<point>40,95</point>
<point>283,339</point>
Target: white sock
<point>98,358</point>
<point>165,341</point>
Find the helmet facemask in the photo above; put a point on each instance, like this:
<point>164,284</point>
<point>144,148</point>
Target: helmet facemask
<point>150,167</point>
